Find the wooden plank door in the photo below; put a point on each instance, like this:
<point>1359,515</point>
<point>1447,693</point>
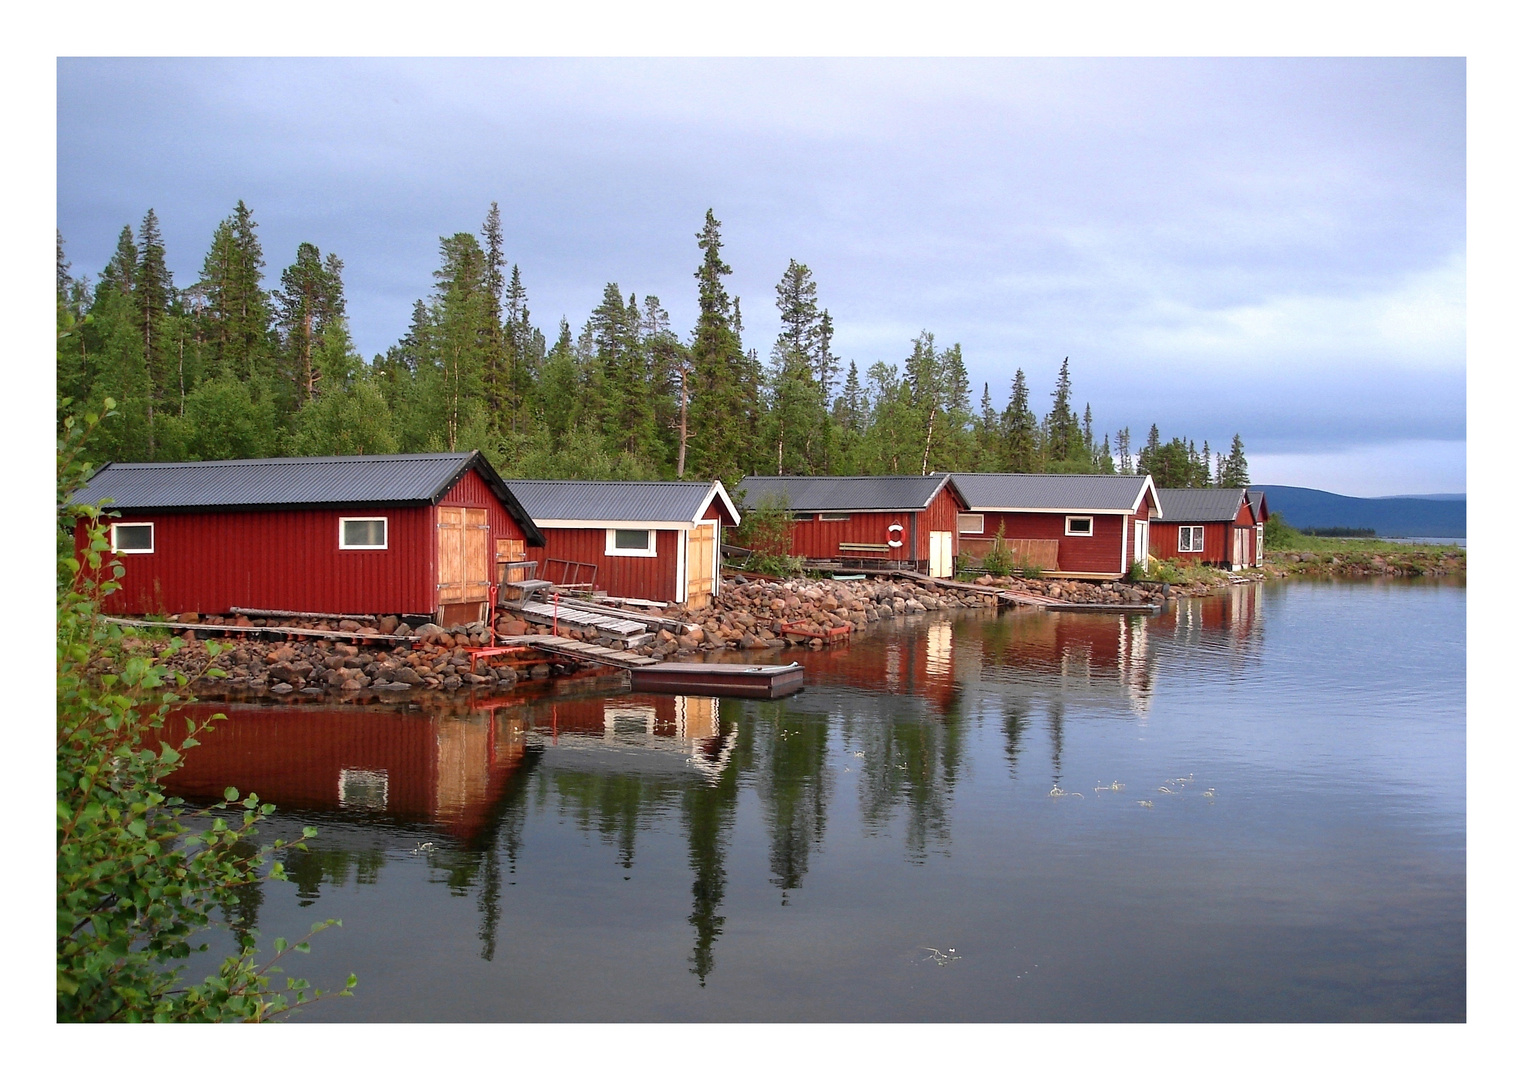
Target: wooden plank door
<point>464,571</point>
<point>700,563</point>
<point>451,533</point>
<point>941,554</point>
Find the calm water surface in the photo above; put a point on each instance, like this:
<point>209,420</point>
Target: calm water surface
<point>1249,808</point>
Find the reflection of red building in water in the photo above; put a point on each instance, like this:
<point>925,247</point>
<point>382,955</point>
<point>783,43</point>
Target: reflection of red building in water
<point>448,770</point>
<point>1235,616</point>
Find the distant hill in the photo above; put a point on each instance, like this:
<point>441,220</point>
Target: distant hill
<point>1400,515</point>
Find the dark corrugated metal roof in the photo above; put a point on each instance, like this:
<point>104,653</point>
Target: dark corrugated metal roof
<point>676,501</point>
<point>1049,491</point>
<point>250,484</point>
<point>814,493</point>
<point>1200,504</point>
<point>1260,505</point>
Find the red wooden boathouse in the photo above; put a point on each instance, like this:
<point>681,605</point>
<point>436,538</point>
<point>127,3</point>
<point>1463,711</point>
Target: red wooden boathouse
<point>404,534</point>
<point>1220,526</point>
<point>903,522</point>
<point>1079,526</point>
<point>653,540</point>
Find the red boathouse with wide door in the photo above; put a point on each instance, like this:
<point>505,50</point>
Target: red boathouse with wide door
<point>1079,526</point>
<point>650,540</point>
<point>404,534</point>
<point>902,522</point>
<point>1219,526</point>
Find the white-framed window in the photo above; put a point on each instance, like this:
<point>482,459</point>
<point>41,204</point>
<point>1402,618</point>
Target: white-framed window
<point>970,524</point>
<point>1192,538</point>
<point>640,543</point>
<point>1079,526</point>
<point>362,533</point>
<point>132,538</point>
<point>835,517</point>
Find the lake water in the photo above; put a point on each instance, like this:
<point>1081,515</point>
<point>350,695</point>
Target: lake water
<point>1251,807</point>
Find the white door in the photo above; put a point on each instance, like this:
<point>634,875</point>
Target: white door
<point>941,554</point>
<point>1140,547</point>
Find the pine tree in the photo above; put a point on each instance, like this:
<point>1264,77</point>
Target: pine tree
<point>309,300</point>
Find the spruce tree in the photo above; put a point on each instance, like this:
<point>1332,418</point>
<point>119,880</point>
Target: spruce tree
<point>1124,450</point>
<point>152,290</point>
<point>237,312</point>
<point>795,422</point>
<point>1061,436</point>
<point>1020,431</point>
<point>496,364</point>
<point>721,418</point>
<point>1235,472</point>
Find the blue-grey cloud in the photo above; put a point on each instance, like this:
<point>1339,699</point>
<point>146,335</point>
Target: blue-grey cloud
<point>1268,246</point>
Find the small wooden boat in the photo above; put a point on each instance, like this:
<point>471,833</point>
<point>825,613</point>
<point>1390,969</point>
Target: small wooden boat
<point>720,680</point>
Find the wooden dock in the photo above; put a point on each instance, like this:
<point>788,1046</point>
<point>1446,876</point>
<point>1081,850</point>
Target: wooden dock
<point>1047,603</point>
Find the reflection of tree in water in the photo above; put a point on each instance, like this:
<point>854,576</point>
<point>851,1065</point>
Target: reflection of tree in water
<point>1055,734</point>
<point>309,869</point>
<point>480,861</point>
<point>243,914</point>
<point>708,816</point>
<point>1016,720</point>
<point>794,786</point>
<point>914,760</point>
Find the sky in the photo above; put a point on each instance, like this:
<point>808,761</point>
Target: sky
<point>1268,247</point>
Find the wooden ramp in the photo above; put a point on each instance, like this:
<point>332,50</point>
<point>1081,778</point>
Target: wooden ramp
<point>579,650</point>
<point>613,626</point>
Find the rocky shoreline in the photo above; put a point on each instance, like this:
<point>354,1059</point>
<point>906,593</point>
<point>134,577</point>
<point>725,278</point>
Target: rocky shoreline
<point>1356,563</point>
<point>746,615</point>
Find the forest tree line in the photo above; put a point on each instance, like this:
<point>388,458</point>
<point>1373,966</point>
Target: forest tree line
<point>228,368</point>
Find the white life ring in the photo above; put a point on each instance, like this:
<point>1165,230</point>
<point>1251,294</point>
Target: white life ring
<point>893,540</point>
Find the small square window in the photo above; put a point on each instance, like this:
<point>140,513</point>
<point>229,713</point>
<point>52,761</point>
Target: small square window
<point>362,533</point>
<point>970,524</point>
<point>132,539</point>
<point>640,542</point>
<point>1079,526</point>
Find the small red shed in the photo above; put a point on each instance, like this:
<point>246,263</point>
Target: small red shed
<point>1073,525</point>
<point>1210,525</point>
<point>401,534</point>
<point>905,522</point>
<point>653,540</point>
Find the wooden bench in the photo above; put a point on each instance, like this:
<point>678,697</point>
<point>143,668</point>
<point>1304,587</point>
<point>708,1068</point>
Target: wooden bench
<point>881,548</point>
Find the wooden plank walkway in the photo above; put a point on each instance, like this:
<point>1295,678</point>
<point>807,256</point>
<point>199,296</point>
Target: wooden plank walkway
<point>579,650</point>
<point>540,612</point>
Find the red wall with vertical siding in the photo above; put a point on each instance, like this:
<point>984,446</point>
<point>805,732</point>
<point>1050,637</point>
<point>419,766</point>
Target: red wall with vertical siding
<point>212,561</point>
<point>1163,542</point>
<point>618,575</point>
<point>816,539</point>
<point>1097,554</point>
